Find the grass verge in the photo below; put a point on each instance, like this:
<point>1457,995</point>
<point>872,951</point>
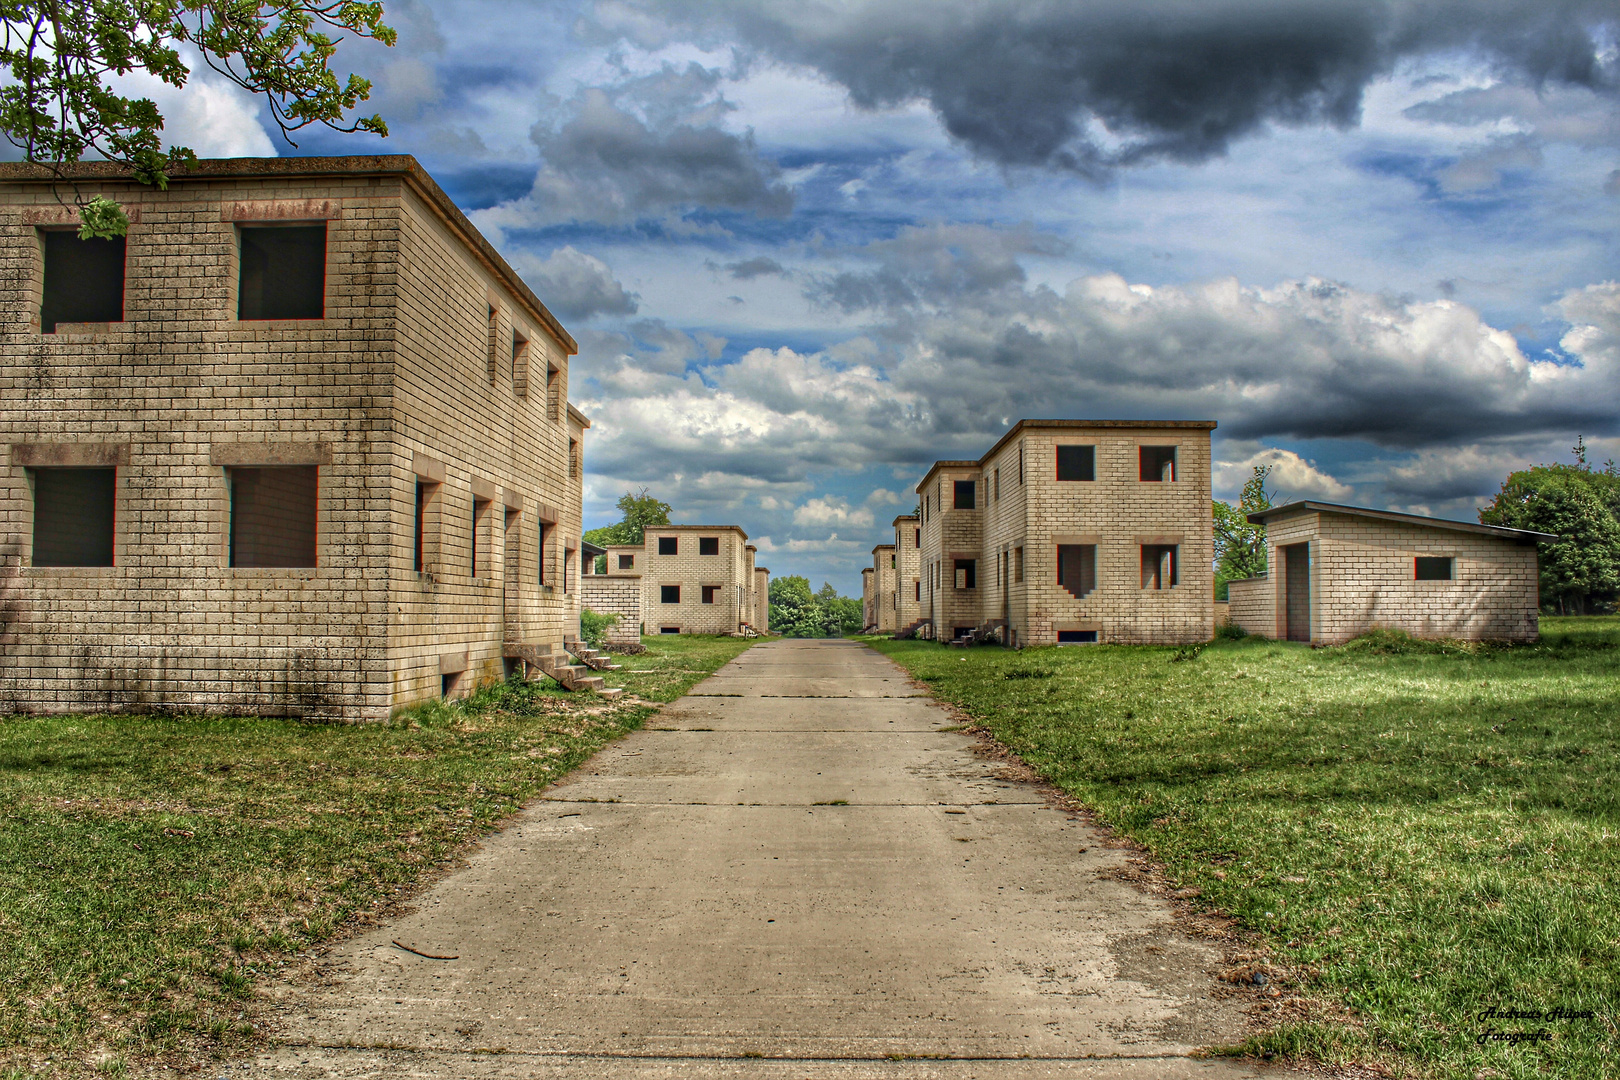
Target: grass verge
<point>153,868</point>
<point>1417,832</point>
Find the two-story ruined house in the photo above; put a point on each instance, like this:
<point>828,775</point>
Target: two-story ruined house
<point>690,579</point>
<point>1072,531</point>
<point>298,444</point>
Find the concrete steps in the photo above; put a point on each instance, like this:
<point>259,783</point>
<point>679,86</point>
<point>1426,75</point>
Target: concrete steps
<point>590,657</point>
<point>555,664</point>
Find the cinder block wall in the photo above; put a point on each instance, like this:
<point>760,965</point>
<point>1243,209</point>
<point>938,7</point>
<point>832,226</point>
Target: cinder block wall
<point>884,574</point>
<point>619,596</point>
<point>1253,606</point>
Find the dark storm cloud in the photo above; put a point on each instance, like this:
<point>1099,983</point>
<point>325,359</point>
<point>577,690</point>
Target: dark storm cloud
<point>643,147</point>
<point>758,266</point>
<point>1024,83</point>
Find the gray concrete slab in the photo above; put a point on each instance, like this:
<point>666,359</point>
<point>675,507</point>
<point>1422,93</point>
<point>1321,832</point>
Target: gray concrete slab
<point>696,903</point>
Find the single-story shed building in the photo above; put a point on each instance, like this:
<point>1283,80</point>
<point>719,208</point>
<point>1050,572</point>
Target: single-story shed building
<point>1337,572</point>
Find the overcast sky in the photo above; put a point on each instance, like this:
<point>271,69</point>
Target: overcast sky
<point>808,248</point>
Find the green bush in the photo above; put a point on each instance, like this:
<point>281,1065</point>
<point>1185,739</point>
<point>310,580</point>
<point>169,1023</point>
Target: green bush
<point>1230,632</point>
<point>593,627</point>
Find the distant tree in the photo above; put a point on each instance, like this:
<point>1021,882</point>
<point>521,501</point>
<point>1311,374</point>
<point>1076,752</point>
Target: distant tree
<point>639,511</point>
<point>56,106</point>
<point>794,610</point>
<point>1580,571</point>
<point>1240,545</point>
<point>841,614</point>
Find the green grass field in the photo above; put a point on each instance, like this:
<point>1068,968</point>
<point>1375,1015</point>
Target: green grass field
<point>1419,832</point>
<point>152,868</point>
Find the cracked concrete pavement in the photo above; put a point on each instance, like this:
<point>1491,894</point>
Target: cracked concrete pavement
<point>791,872</point>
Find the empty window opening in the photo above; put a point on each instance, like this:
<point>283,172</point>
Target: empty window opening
<point>1077,568</point>
<point>479,546</point>
<point>1432,567</point>
<point>964,495</point>
<point>448,683</point>
<point>967,573</point>
<point>710,592</point>
<point>283,272</point>
<point>543,558</point>
<point>891,562</point>
<point>627,562</point>
<point>554,392</point>
<point>958,632</point>
<point>419,546</point>
<point>73,517</point>
<point>491,342</point>
<point>1020,463</point>
<point>669,594</point>
<point>573,459</point>
<point>1077,637</point>
<point>567,569</point>
<point>84,280</point>
<point>708,545</point>
<point>1018,564</point>
<point>998,482</point>
<point>669,629</point>
<point>916,587</point>
<point>1158,463</point>
<point>669,545</point>
<point>520,365</point>
<point>1079,463</point>
<point>1158,566</point>
<point>273,515</point>
<point>916,539</point>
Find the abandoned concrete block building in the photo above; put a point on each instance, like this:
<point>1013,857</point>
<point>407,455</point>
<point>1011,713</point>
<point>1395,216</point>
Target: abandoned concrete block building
<point>299,444</point>
<point>691,579</point>
<point>1337,572</point>
<point>907,570</point>
<point>879,614</point>
<point>1071,532</point>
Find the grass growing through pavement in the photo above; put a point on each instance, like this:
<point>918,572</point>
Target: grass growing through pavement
<point>1420,831</point>
<point>152,868</point>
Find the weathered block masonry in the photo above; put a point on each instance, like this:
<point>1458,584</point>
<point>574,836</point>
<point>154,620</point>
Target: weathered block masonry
<point>300,445</point>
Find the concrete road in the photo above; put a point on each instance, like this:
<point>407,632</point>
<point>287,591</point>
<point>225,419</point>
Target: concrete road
<point>791,873</point>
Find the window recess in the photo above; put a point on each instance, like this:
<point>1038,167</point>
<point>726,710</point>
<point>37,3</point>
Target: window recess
<point>283,272</point>
<point>1158,566</point>
<point>1077,568</point>
<point>84,280</point>
<point>1157,464</point>
<point>1077,463</point>
<point>74,522</point>
<point>273,515</point>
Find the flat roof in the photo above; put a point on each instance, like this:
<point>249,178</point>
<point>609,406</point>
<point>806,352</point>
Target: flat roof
<point>578,417</point>
<point>880,547</point>
<point>905,517</point>
<point>1521,536</point>
<point>694,528</point>
<point>404,166</point>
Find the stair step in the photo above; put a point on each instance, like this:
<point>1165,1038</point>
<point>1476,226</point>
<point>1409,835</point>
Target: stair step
<point>611,691</point>
<point>592,682</point>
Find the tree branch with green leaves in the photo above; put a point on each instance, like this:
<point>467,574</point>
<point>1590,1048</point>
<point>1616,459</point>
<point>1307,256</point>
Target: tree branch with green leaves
<point>57,107</point>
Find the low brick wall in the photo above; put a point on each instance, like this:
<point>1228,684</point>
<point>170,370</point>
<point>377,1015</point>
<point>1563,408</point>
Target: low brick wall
<point>1251,605</point>
<point>619,596</point>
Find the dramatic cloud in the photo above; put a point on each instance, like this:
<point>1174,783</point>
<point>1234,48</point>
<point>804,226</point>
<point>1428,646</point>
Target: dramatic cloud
<point>1094,84</point>
<point>644,147</point>
<point>578,286</point>
<point>1292,477</point>
<point>758,266</point>
<point>832,511</point>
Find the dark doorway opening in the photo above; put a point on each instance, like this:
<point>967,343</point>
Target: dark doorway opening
<point>1297,591</point>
